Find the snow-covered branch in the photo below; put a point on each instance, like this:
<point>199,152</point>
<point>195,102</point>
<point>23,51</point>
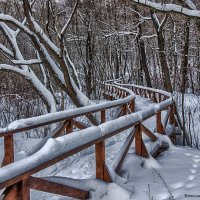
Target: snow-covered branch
<point>6,50</point>
<point>31,77</point>
<point>120,33</point>
<point>69,20</point>
<point>26,62</point>
<point>169,8</point>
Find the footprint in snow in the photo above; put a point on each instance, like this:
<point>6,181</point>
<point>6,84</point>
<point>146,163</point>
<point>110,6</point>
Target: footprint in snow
<point>176,185</point>
<point>191,177</point>
<point>188,154</point>
<point>193,171</point>
<point>195,165</point>
<point>196,156</point>
<point>196,160</point>
<point>190,185</point>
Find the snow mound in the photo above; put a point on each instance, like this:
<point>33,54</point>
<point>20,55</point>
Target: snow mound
<point>111,192</point>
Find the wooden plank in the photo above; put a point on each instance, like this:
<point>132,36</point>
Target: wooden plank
<point>100,153</point>
<point>103,116</point>
<point>100,159</point>
<point>159,126</point>
<point>56,188</point>
<point>25,189</point>
<point>132,105</point>
<point>80,125</point>
<point>124,108</point>
<point>107,178</point>
<point>125,152</point>
<point>69,127</point>
<point>12,192</point>
<point>149,133</point>
<point>8,150</point>
<point>140,148</point>
<point>61,129</point>
<point>154,97</point>
<point>160,97</point>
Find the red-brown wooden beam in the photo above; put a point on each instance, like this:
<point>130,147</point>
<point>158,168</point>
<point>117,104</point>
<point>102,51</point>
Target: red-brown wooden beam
<point>140,148</point>
<point>132,105</point>
<point>80,125</point>
<point>100,152</point>
<point>8,150</point>
<point>69,127</point>
<point>100,159</point>
<point>125,152</point>
<point>25,189</point>
<point>13,192</point>
<point>56,188</point>
<point>149,133</point>
<point>159,126</point>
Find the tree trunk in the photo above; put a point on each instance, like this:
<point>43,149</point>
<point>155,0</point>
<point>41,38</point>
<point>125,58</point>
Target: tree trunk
<point>163,61</point>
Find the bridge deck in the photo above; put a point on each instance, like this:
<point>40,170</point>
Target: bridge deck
<point>137,180</point>
<point>178,168</point>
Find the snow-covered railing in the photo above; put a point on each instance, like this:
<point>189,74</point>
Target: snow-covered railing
<point>151,93</point>
<point>66,118</point>
<point>55,150</point>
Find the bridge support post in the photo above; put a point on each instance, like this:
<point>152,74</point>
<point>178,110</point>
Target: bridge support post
<point>100,153</point>
<point>13,192</point>
<point>69,127</point>
<point>9,150</point>
<point>159,126</point>
<point>132,105</point>
<point>25,189</point>
<point>140,148</point>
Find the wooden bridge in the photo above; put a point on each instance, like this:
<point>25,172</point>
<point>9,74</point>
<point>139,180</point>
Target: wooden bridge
<point>16,177</point>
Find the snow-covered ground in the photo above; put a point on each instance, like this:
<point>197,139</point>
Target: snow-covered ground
<point>174,175</point>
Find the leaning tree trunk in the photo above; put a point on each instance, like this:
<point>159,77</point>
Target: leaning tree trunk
<point>184,71</point>
<point>163,61</point>
<point>143,59</point>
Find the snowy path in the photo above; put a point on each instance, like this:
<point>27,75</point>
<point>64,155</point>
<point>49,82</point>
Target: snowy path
<point>176,172</point>
<point>177,175</point>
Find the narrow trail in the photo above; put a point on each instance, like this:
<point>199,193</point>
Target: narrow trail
<point>122,156</point>
<point>176,170</point>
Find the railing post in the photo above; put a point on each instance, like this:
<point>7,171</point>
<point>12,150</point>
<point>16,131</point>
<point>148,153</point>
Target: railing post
<point>159,126</point>
<point>159,97</point>
<point>25,189</point>
<point>171,115</point>
<point>69,127</point>
<point>8,150</point>
<point>13,192</point>
<point>140,148</point>
<point>145,94</point>
<point>154,97</point>
<point>132,105</point>
<point>100,153</point>
<point>124,109</point>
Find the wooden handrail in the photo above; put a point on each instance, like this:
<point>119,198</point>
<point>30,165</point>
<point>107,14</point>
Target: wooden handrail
<point>95,135</point>
<point>64,115</point>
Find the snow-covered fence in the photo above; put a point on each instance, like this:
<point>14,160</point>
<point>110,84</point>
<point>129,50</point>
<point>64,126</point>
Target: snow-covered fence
<point>53,150</point>
<point>67,120</point>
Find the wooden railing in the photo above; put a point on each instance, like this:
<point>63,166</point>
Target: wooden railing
<point>19,182</point>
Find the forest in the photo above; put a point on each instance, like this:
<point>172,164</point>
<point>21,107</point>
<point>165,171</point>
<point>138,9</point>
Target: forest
<point>53,52</point>
<point>99,89</point>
